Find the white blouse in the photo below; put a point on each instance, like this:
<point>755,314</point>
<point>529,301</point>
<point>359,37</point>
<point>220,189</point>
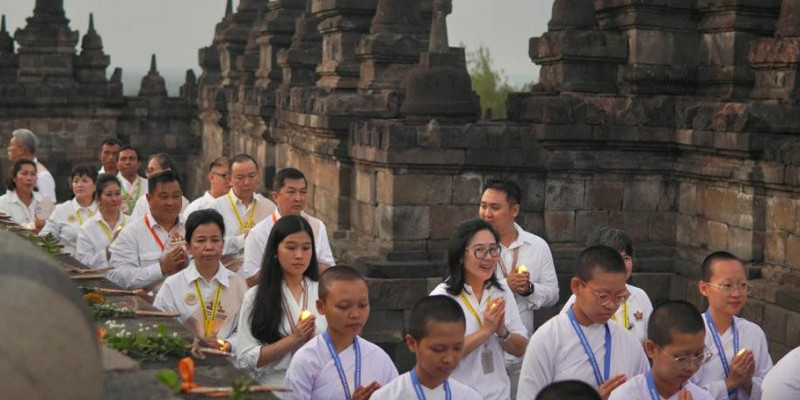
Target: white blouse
<point>94,238</point>
<point>65,222</point>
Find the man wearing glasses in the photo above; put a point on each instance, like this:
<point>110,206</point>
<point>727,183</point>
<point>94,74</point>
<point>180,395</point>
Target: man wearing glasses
<point>741,356</point>
<point>676,345</point>
<point>217,186</point>
<point>241,208</point>
<point>582,344</point>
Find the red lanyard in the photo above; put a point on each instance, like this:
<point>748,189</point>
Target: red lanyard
<point>158,241</point>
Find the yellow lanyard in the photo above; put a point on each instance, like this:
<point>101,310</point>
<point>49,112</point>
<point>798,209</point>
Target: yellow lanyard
<point>625,320</point>
<point>208,322</point>
<point>80,219</point>
<point>471,309</point>
<point>243,227</point>
<point>127,198</point>
<point>104,228</point>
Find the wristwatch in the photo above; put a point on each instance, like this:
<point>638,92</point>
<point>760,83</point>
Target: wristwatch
<point>505,337</point>
<point>529,291</point>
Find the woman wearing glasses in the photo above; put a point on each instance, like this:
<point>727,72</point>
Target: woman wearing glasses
<point>741,357</point>
<point>634,312</point>
<point>493,324</point>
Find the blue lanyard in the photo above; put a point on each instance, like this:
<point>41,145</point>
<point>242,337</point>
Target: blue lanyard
<point>721,350</point>
<point>651,386</point>
<point>338,363</point>
<point>418,386</point>
<point>588,349</point>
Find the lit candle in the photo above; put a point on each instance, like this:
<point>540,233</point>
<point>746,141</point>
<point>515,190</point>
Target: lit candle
<point>741,352</point>
<point>223,345</point>
<point>305,315</point>
<point>522,269</point>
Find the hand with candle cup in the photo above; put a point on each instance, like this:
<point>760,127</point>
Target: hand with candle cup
<point>305,315</point>
<point>494,314</point>
<point>743,367</point>
<point>519,280</point>
<point>304,330</point>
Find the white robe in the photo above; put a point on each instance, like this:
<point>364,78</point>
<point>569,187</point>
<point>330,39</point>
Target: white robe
<point>639,310</point>
<point>65,223</point>
<point>636,389</point>
<point>402,388</point>
<point>555,353</point>
<point>783,380</point>
<point>312,373</point>
<point>711,375</point>
<point>248,348</point>
<point>495,385</point>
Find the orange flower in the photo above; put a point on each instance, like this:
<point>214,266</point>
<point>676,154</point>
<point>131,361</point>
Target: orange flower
<point>101,334</point>
<point>94,297</point>
<point>186,372</point>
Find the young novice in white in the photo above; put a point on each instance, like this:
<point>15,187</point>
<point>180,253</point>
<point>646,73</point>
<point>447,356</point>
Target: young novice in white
<point>278,315</point>
<point>582,344</point>
<point>339,364</point>
<point>436,337</point>
<point>494,328</point>
<point>676,345</point>
<point>741,358</point>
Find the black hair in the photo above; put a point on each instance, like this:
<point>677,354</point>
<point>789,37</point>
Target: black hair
<point>287,173</point>
<point>671,316</point>
<point>459,241</point>
<point>267,315</point>
<point>433,309</point>
<point>218,162</point>
<point>84,170</point>
<point>571,389</point>
<point>202,217</point>
<point>165,161</point>
<point>10,184</point>
<point>337,273</point>
<point>112,141</point>
<point>603,258</point>
<point>104,180</point>
<point>241,158</point>
<point>705,268</point>
<point>162,177</point>
<point>129,147</point>
<point>615,238</point>
<point>510,188</point>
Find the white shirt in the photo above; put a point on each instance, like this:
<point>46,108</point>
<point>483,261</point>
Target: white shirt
<point>711,375</point>
<point>495,385</point>
<point>555,353</point>
<point>402,388</point>
<point>94,238</point>
<point>45,182</point>
<point>256,243</point>
<point>201,203</point>
<point>131,192</point>
<point>142,207</point>
<point>248,348</point>
<point>135,253</point>
<point>783,380</point>
<point>636,389</point>
<point>179,294</point>
<point>312,374</point>
<point>11,205</point>
<point>639,310</point>
<point>234,235</point>
<point>65,222</point>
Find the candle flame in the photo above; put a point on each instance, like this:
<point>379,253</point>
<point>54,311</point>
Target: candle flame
<point>741,352</point>
<point>222,344</point>
<point>522,269</point>
<point>305,315</point>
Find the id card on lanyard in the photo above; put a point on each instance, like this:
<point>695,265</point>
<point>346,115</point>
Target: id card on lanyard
<point>721,349</point>
<point>418,387</point>
<point>588,349</point>
<point>340,369</point>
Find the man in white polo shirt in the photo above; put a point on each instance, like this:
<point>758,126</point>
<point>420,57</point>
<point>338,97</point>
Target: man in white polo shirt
<point>152,247</point>
<point>133,185</point>
<point>158,162</point>
<point>290,192</point>
<point>241,208</point>
<point>218,186</point>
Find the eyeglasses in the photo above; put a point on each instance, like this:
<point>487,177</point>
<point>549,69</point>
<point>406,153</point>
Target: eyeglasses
<point>222,175</point>
<point>605,298</point>
<point>728,288</point>
<point>480,252</point>
<point>684,362</point>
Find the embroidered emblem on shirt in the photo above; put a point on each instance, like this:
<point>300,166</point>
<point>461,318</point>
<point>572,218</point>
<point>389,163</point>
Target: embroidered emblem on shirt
<point>71,218</point>
<point>638,315</point>
<point>190,299</point>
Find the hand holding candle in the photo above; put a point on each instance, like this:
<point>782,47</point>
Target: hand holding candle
<point>305,315</point>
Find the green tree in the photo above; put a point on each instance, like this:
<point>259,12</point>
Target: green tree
<point>491,85</point>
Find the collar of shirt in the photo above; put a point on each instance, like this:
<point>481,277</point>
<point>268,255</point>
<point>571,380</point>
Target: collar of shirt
<point>222,276</point>
<point>523,237</point>
<point>155,224</point>
<point>13,198</point>
<point>77,207</point>
<point>98,216</point>
<point>128,183</point>
<point>238,201</point>
<point>487,292</point>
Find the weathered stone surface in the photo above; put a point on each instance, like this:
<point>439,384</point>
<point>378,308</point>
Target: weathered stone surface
<point>564,194</point>
<point>559,225</point>
<point>774,323</point>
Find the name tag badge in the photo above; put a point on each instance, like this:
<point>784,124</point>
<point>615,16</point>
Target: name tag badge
<point>487,361</point>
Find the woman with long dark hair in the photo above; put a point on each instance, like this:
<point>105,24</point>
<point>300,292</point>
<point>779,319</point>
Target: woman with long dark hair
<point>493,324</point>
<point>279,314</point>
<point>66,220</point>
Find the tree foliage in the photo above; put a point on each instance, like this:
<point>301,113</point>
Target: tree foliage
<point>490,84</point>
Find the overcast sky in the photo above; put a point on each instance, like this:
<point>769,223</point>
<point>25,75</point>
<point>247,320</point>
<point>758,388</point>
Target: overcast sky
<point>175,29</point>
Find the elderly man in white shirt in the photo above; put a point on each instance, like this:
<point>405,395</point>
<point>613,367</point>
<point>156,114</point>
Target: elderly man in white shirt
<point>242,208</point>
<point>158,162</point>
<point>133,185</point>
<point>290,192</point>
<point>217,186</point>
<point>152,247</point>
<point>535,286</point>
<point>23,145</point>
